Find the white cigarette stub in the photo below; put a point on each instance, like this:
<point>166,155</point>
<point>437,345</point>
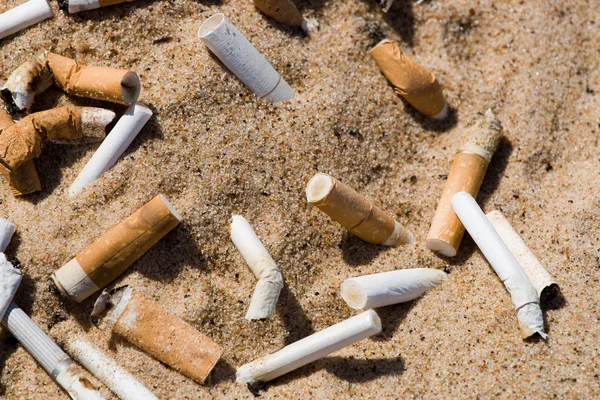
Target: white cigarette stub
<point>242,58</point>
<point>523,294</point>
<point>263,267</point>
<point>23,16</point>
<point>116,142</point>
<point>10,278</point>
<point>7,229</point>
<point>379,290</point>
<point>310,349</point>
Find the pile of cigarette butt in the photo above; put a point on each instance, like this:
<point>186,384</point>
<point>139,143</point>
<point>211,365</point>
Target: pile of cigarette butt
<point>91,277</point>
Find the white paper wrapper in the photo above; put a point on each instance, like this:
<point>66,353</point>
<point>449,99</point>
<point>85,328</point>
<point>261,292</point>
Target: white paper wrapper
<point>23,16</point>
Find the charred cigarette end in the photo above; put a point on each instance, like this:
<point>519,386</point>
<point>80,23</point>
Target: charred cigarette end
<point>11,107</point>
<point>10,279</point>
<point>413,82</point>
<point>63,5</point>
<point>76,383</point>
<point>549,293</point>
<point>28,80</point>
<point>354,212</point>
<point>109,306</point>
<point>531,321</point>
<point>116,250</point>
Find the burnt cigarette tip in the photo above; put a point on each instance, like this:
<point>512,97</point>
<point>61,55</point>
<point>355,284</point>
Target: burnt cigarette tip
<point>549,293</point>
<point>110,305</point>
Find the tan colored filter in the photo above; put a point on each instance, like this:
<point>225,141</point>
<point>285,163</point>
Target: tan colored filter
<point>355,213</point>
<point>162,335</point>
<point>108,257</point>
<point>413,82</point>
<point>466,174</point>
<point>101,83</point>
<point>283,11</point>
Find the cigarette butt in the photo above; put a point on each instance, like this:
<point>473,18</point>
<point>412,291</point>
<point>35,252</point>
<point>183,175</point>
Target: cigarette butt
<point>28,80</point>
<point>355,213</point>
<point>310,349</point>
<point>242,58</point>
<point>100,83</point>
<point>23,16</point>
<point>545,286</point>
<point>415,83</point>
<point>383,289</point>
<point>75,6</point>
<point>108,257</point>
<point>162,335</point>
<point>523,294</point>
<point>10,279</point>
<point>7,230</point>
<point>117,141</point>
<point>468,169</point>
<point>285,11</point>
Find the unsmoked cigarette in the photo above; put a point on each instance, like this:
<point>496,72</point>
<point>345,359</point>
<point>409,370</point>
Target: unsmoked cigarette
<point>285,11</point>
<point>355,212</point>
<point>75,6</point>
<point>23,16</point>
<point>162,335</point>
<point>545,286</point>
<point>415,83</point>
<point>110,255</point>
<point>468,169</point>
<point>28,80</point>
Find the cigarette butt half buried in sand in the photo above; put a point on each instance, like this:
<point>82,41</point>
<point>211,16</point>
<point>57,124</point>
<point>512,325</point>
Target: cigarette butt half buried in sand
<point>75,6</point>
<point>263,267</point>
<point>285,11</point>
<point>29,13</point>
<point>545,286</point>
<point>28,80</point>
<point>383,289</point>
<point>523,294</point>
<point>242,58</point>
<point>469,165</point>
<point>164,336</point>
<point>355,213</point>
<point>310,349</point>
<point>108,257</point>
<point>410,80</point>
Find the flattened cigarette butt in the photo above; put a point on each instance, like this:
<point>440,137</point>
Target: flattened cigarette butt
<point>28,80</point>
<point>355,213</point>
<point>480,139</point>
<point>75,6</point>
<point>415,83</point>
<point>10,279</point>
<point>23,16</point>
<point>545,286</point>
<point>108,257</point>
<point>285,11</point>
<point>263,267</point>
<point>523,294</point>
<point>383,289</point>
<point>100,83</point>
<point>310,349</point>
<point>162,335</point>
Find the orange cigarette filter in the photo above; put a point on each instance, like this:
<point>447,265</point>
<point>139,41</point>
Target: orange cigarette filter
<point>283,11</point>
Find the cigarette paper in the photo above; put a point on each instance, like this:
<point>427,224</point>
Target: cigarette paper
<point>263,267</point>
<point>523,294</point>
<point>545,286</point>
<point>383,289</point>
<point>285,11</point>
<point>28,80</point>
<point>238,54</point>
<point>10,278</point>
<point>23,16</point>
<point>415,83</point>
<point>108,257</point>
<point>468,169</point>
<point>355,213</point>
<point>101,83</point>
<point>310,349</point>
<point>75,6</point>
<point>7,229</point>
<point>162,335</point>
<point>115,144</point>
<point>121,382</point>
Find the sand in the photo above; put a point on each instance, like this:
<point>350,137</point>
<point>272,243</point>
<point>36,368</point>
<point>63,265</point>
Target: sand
<point>214,149</point>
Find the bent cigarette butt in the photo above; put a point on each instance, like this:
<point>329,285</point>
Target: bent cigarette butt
<point>110,255</point>
<point>28,80</point>
<point>100,83</point>
<point>355,213</point>
<point>523,294</point>
<point>415,83</point>
<point>545,286</point>
<point>242,58</point>
<point>285,11</point>
<point>383,289</point>
<point>115,144</point>
<point>479,142</point>
<point>310,349</point>
<point>162,335</point>
<point>10,279</point>
<point>263,267</point>
<point>23,16</point>
<point>75,6</point>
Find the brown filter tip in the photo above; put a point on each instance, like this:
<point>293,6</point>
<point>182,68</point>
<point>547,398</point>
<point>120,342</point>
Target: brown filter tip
<point>283,11</point>
<point>482,135</point>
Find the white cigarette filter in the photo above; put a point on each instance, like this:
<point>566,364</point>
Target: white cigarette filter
<point>383,289</point>
<point>238,54</point>
<point>121,382</point>
<point>355,212</point>
<point>28,80</point>
<point>23,16</point>
<point>263,267</point>
<point>523,294</point>
<point>545,286</point>
<point>72,378</point>
<point>115,144</point>
<point>310,349</point>
<point>7,229</point>
<point>75,6</point>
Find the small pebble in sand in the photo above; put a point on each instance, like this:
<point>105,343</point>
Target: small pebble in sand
<point>23,16</point>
